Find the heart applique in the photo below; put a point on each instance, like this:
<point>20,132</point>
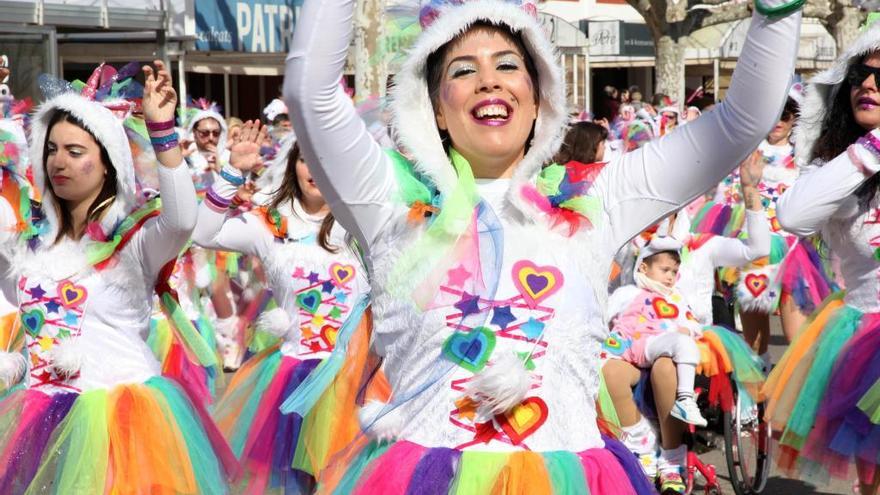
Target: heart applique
<point>328,334</point>
<point>72,295</point>
<point>309,300</point>
<point>341,274</point>
<point>757,284</point>
<point>523,420</point>
<point>664,308</point>
<point>33,321</point>
<point>536,283</point>
<point>470,350</point>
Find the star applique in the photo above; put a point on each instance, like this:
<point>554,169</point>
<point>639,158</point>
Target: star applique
<point>313,278</point>
<point>70,319</point>
<point>467,409</point>
<point>52,306</point>
<point>529,364</point>
<point>38,292</point>
<point>341,297</point>
<point>315,347</point>
<point>299,273</point>
<point>335,313</point>
<point>46,342</point>
<point>532,328</point>
<point>502,317</point>
<point>458,276</point>
<point>307,333</point>
<point>318,320</point>
<point>327,287</point>
<point>468,304</point>
<point>63,333</point>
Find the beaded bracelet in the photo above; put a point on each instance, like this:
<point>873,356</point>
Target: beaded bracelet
<point>159,148</point>
<point>160,126</point>
<point>780,10</point>
<point>232,178</point>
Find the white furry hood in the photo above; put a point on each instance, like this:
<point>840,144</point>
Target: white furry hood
<point>414,123</point>
<point>821,91</point>
<point>108,130</point>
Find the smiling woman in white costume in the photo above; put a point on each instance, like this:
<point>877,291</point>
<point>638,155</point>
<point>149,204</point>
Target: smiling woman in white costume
<point>488,270</point>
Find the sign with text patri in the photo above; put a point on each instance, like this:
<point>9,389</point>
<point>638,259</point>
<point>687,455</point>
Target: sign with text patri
<point>256,26</point>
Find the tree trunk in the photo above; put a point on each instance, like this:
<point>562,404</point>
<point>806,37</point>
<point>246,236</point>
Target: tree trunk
<point>670,68</point>
<point>846,27</point>
<point>370,70</point>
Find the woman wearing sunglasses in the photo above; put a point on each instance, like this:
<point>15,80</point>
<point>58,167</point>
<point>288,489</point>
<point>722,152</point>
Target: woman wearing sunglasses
<point>825,393</point>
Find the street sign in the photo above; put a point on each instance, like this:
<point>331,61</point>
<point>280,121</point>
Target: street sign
<point>262,26</point>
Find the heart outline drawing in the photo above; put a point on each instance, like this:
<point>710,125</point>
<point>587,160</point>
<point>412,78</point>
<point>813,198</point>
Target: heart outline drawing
<point>664,308</point>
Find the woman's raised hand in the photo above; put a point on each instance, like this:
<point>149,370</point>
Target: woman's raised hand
<point>245,147</point>
<point>160,99</point>
<point>752,169</point>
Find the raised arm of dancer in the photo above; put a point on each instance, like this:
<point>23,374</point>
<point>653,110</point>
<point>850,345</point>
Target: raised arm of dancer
<point>216,228</point>
<point>353,173</point>
<point>825,192</point>
<point>649,183</point>
<point>162,238</point>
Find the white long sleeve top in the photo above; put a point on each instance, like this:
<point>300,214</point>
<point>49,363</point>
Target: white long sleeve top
<point>103,314</point>
<point>316,288</point>
<point>551,288</point>
<point>823,201</point>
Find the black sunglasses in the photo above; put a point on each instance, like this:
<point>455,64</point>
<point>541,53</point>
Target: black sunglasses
<point>857,74</point>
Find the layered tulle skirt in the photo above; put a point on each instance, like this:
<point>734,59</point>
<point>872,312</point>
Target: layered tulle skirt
<point>130,439</point>
<point>280,450</point>
<point>406,468</point>
<point>824,395</point>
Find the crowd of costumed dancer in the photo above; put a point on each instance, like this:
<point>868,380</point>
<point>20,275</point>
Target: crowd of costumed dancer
<point>489,274</point>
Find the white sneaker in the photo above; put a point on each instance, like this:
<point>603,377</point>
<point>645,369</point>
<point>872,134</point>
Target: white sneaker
<point>686,410</point>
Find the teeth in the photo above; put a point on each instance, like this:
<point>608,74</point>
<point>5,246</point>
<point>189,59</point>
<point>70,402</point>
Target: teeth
<point>499,111</point>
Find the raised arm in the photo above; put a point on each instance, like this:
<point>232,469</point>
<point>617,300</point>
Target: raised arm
<point>822,193</point>
<point>353,173</point>
<point>161,238</point>
<point>216,228</point>
<point>647,184</point>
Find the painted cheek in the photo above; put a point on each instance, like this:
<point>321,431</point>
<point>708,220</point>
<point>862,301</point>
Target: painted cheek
<point>88,168</point>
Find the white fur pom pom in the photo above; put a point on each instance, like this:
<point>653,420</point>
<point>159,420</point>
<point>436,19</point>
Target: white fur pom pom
<point>203,278</point>
<point>502,385</point>
<point>275,322</point>
<point>12,367</point>
<point>379,421</point>
<point>67,357</point>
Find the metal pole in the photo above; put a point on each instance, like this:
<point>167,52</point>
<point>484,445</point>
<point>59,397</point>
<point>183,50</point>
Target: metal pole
<point>716,78</point>
<point>227,105</point>
<point>181,81</point>
<point>588,83</point>
<point>574,77</point>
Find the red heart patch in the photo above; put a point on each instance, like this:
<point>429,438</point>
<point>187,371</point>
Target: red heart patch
<point>71,295</point>
<point>664,308</point>
<point>523,420</point>
<point>757,284</point>
<point>328,334</point>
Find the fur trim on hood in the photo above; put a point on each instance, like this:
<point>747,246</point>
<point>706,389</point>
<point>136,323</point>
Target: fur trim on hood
<point>414,123</point>
<point>209,114</point>
<point>108,130</point>
<point>821,91</point>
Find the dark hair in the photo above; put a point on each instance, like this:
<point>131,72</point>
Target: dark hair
<point>105,197</point>
<point>434,69</point>
<point>839,130</point>
<point>290,189</point>
<point>650,260</point>
<point>580,143</point>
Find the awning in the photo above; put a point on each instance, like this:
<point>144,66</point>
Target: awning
<point>724,42</point>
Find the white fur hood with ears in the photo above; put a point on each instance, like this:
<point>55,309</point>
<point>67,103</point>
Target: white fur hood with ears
<point>209,114</point>
<point>821,91</point>
<point>414,122</point>
<point>108,130</point>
